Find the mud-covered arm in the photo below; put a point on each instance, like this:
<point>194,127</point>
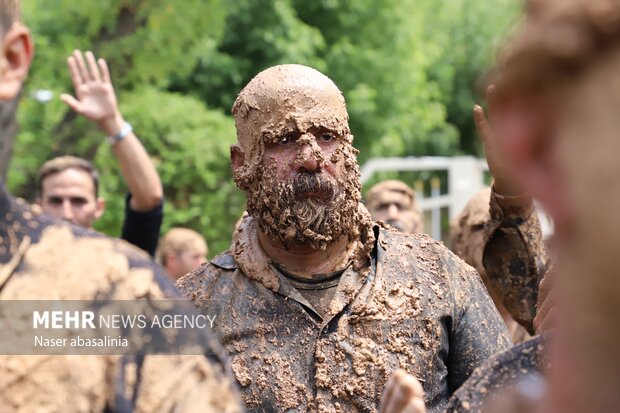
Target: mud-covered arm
<point>515,257</point>
<point>478,331</point>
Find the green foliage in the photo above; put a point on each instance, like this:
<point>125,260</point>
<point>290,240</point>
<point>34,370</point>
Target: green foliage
<point>258,34</point>
<point>408,69</point>
<point>468,33</point>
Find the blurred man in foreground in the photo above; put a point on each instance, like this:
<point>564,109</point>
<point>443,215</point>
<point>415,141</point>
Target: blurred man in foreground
<point>44,259</point>
<point>557,123</point>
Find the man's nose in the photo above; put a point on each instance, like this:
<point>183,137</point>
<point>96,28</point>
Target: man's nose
<point>393,212</point>
<point>310,155</point>
<point>67,210</point>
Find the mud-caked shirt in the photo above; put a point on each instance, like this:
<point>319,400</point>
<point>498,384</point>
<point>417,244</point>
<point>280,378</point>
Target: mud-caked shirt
<point>415,306</point>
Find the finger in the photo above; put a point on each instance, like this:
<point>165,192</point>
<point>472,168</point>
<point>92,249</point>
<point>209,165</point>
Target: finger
<point>406,388</point>
<point>92,66</point>
<point>105,72</point>
<point>403,394</point>
<point>387,392</point>
<point>482,125</point>
<point>81,66</point>
<point>545,286</point>
<point>546,322</point>
<point>72,102</point>
<point>76,77</point>
<point>541,320</point>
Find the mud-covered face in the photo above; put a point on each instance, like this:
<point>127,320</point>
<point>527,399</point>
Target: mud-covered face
<point>305,200</point>
<point>307,186</point>
<point>397,209</point>
<point>300,171</point>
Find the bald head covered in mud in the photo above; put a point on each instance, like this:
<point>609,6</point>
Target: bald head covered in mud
<point>294,158</point>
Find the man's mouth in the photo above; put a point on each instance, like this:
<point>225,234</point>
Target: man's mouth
<point>396,224</point>
<point>312,187</point>
<point>310,194</point>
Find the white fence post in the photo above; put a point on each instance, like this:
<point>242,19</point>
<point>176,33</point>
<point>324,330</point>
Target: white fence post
<point>436,211</point>
<point>465,178</point>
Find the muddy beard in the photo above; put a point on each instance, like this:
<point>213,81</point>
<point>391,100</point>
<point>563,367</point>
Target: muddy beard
<point>311,208</point>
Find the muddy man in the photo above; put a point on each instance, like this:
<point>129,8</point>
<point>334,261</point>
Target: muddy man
<point>319,304</point>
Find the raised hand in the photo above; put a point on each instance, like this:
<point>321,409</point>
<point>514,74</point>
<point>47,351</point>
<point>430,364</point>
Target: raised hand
<point>504,183</point>
<point>95,97</point>
<point>403,394</point>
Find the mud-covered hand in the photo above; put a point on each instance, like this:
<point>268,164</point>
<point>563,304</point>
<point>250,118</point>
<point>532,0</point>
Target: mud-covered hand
<point>94,94</point>
<point>504,184</point>
<point>403,394</point>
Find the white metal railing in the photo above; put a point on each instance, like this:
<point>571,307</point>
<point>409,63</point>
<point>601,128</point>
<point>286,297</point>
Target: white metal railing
<point>465,178</point>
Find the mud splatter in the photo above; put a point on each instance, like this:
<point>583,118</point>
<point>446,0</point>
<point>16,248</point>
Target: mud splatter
<point>250,256</point>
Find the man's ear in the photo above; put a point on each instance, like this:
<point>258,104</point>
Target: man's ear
<point>237,157</point>
<point>17,51</point>
<point>100,207</point>
<point>171,262</point>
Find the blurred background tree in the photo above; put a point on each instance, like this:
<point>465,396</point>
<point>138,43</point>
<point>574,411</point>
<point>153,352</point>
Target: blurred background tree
<point>410,71</point>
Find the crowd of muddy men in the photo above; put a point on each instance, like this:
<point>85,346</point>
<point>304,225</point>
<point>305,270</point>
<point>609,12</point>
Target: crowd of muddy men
<point>327,302</point>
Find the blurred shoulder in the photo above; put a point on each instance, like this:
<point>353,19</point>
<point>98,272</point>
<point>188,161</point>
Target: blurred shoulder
<point>63,261</point>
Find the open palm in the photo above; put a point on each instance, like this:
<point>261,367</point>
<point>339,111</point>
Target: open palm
<point>504,181</point>
<point>95,97</point>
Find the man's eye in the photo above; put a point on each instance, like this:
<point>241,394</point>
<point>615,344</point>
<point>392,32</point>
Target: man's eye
<point>79,201</point>
<point>54,201</point>
<point>286,139</point>
<point>327,137</point>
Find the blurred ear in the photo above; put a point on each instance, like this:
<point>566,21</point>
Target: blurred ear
<point>100,207</point>
<point>237,157</point>
<point>171,261</point>
<point>17,51</point>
